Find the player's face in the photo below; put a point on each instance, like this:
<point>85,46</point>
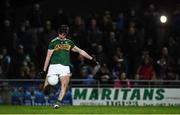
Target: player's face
<point>62,36</point>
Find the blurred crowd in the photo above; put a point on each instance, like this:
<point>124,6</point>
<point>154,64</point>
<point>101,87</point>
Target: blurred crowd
<point>131,44</point>
<point>30,93</point>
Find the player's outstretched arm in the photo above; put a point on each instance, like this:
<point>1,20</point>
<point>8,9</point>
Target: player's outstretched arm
<point>84,54</point>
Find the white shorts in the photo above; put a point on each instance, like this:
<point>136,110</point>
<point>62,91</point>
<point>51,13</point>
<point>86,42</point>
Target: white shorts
<point>59,70</point>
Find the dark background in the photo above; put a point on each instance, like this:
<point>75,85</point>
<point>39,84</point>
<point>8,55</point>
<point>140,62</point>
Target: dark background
<point>19,8</point>
<point>144,26</point>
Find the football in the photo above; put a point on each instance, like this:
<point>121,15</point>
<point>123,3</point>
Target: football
<point>53,80</point>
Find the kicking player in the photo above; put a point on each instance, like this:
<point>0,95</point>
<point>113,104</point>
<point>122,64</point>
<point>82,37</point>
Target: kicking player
<point>58,60</point>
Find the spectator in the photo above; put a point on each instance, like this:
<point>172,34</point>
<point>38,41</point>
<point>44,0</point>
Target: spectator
<point>16,41</point>
<point>36,18</point>
<point>120,64</point>
<point>103,75</point>
<point>110,43</point>
<point>146,70</point>
<point>132,16</point>
<point>172,46</point>
<point>161,69</point>
<point>100,54</point>
<point>7,36</point>
<point>78,32</point>
<point>94,35</point>
<point>5,62</point>
<point>106,22</point>
<point>122,81</point>
<point>78,65</point>
<point>33,71</point>
<point>131,47</point>
<point>168,58</point>
<point>19,61</point>
<point>25,35</point>
<point>150,19</point>
<point>88,77</point>
<point>120,22</point>
<point>149,45</point>
<point>137,82</point>
<point>163,72</point>
<point>59,18</point>
<point>24,70</point>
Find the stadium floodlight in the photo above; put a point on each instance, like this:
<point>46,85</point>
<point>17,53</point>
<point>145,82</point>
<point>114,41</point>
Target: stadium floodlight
<point>163,19</point>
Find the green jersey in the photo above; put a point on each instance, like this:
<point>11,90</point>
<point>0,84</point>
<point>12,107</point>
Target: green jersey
<point>62,48</point>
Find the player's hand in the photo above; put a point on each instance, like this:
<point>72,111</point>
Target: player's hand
<point>42,74</point>
<point>94,61</point>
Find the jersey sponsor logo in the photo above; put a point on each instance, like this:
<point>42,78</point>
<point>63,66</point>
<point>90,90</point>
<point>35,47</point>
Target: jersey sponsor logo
<point>62,47</point>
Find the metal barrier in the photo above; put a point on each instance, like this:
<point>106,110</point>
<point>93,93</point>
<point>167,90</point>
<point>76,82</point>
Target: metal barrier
<point>97,83</point>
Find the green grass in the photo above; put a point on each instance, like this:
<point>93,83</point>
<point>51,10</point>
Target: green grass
<point>10,109</point>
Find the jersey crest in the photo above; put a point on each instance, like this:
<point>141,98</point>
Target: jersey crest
<point>62,47</point>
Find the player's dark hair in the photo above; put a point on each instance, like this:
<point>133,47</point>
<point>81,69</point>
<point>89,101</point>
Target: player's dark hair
<point>63,29</point>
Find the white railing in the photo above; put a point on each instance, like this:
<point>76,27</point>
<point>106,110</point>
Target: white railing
<point>97,83</point>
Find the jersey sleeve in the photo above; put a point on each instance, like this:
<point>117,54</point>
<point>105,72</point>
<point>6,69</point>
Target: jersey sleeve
<point>72,44</point>
<point>51,46</point>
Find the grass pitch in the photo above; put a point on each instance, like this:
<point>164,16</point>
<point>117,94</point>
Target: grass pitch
<point>10,109</point>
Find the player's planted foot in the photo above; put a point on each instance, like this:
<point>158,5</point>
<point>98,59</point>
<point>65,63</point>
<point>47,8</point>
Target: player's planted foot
<point>57,104</point>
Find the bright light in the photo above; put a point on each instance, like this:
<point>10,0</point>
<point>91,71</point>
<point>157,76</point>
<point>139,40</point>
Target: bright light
<point>163,19</point>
